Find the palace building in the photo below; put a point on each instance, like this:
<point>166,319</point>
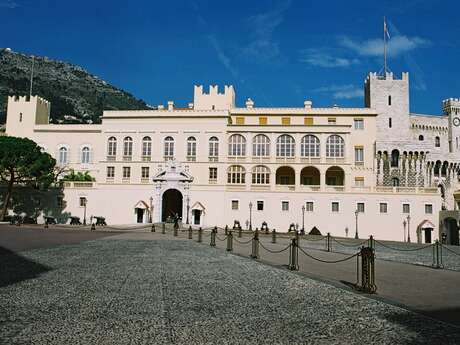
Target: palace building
<point>377,170</point>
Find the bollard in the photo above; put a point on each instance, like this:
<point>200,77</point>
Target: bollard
<point>46,225</point>
<point>240,233</point>
<point>163,228</point>
<point>255,245</point>
<point>153,228</point>
<point>367,270</point>
<point>226,230</point>
<point>93,227</point>
<point>175,230</point>
<point>190,232</point>
<point>229,242</point>
<point>328,242</point>
<point>294,255</point>
<point>371,241</point>
<point>200,235</point>
<point>437,255</point>
<point>213,237</point>
<point>274,236</point>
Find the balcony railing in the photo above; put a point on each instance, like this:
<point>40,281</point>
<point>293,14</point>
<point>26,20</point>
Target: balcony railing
<point>111,158</point>
<point>78,184</point>
<point>285,187</point>
<point>146,158</point>
<point>127,158</point>
<point>145,180</point>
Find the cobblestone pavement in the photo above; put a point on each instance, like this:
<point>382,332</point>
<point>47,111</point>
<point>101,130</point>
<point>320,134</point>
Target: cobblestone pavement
<point>180,292</point>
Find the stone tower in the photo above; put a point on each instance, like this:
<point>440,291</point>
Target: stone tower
<point>24,113</point>
<point>390,98</point>
<point>451,108</point>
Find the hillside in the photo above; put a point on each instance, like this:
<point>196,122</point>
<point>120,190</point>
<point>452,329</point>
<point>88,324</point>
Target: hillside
<point>76,96</point>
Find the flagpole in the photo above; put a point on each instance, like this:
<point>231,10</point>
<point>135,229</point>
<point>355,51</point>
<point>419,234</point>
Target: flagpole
<point>384,47</point>
<point>32,76</point>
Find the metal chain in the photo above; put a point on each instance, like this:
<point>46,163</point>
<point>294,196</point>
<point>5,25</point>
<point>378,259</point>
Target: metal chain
<point>349,245</point>
<point>450,250</point>
<point>326,261</point>
<point>242,242</point>
<point>311,240</point>
<point>403,250</point>
<point>223,239</point>
<point>274,251</point>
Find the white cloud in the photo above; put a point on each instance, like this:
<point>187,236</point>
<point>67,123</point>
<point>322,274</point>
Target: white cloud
<point>348,91</point>
<point>397,45</point>
<point>9,4</point>
<point>323,58</point>
<point>223,58</point>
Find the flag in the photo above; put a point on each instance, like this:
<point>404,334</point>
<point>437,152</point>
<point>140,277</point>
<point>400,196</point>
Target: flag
<point>385,29</point>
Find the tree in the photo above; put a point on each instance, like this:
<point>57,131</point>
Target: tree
<point>22,162</point>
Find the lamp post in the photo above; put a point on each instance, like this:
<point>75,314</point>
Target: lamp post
<point>356,230</point>
<point>151,210</point>
<point>408,228</point>
<point>404,225</point>
<point>188,208</point>
<point>303,218</point>
<point>84,210</point>
<point>250,216</point>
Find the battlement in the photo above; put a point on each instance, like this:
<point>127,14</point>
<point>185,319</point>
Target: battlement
<point>388,76</point>
<point>213,100</point>
<point>27,99</point>
<point>451,105</point>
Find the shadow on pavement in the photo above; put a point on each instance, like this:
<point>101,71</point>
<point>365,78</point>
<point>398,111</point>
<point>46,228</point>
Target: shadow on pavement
<point>15,268</point>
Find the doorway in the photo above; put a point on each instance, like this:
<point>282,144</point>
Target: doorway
<point>140,215</point>
<point>196,217</point>
<point>428,232</point>
<point>171,205</point>
<point>452,231</point>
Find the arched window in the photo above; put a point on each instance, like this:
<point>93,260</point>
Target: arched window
<point>437,167</point>
<point>335,146</point>
<point>420,137</point>
<point>285,146</point>
<point>146,148</point>
<point>85,155</point>
<point>261,146</point>
<point>127,147</point>
<point>191,149</point>
<point>169,148</point>
<point>112,147</point>
<point>237,145</point>
<point>236,174</point>
<point>260,175</point>
<point>394,158</point>
<point>309,146</point>
<point>437,142</point>
<point>395,181</point>
<point>213,148</point>
<point>63,156</point>
<point>444,168</point>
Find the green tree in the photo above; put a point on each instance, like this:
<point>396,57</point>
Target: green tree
<point>22,162</point>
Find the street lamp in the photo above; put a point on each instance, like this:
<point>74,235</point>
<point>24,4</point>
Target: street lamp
<point>404,225</point>
<point>84,210</point>
<point>250,216</point>
<point>408,228</point>
<point>188,208</point>
<point>151,210</point>
<point>356,231</point>
<point>303,218</point>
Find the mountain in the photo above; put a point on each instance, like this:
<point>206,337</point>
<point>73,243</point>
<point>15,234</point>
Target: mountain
<point>76,96</point>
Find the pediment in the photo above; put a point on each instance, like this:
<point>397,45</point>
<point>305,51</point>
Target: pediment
<point>173,172</point>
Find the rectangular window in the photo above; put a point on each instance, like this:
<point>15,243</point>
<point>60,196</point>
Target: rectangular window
<point>406,208</point>
<point>126,172</point>
<point>389,122</point>
<point>360,207</point>
<point>110,172</point>
<point>428,208</point>
<point>145,172</point>
<point>359,155</point>
<point>60,202</point>
<point>284,205</point>
<point>235,204</point>
<point>260,205</point>
<point>262,121</point>
<point>359,124</point>
<point>82,201</point>
<point>240,120</point>
<point>213,174</point>
<point>285,121</point>
<point>309,206</point>
<point>331,121</point>
<point>335,206</point>
<point>308,121</point>
<point>383,207</point>
<point>359,181</point>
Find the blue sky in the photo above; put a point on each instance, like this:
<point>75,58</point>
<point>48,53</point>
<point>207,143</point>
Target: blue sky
<point>279,53</point>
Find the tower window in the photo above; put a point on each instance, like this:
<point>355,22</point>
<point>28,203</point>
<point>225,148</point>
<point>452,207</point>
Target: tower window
<point>389,122</point>
<point>420,137</point>
<point>389,100</point>
<point>20,117</point>
<point>437,142</point>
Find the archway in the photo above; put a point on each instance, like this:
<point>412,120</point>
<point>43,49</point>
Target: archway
<point>310,176</point>
<point>285,176</point>
<point>335,176</point>
<point>451,230</point>
<point>171,204</point>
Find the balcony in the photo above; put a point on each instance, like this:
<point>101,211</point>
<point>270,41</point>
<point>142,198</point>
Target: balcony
<point>145,180</point>
<point>335,188</point>
<point>310,188</point>
<point>236,187</point>
<point>285,188</point>
<point>111,158</point>
<point>127,158</point>
<point>213,159</point>
<point>146,158</point>
<point>79,184</point>
<point>126,180</point>
<point>191,158</point>
<point>109,180</point>
<point>260,187</point>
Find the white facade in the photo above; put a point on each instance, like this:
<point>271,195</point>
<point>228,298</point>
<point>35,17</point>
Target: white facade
<point>221,158</point>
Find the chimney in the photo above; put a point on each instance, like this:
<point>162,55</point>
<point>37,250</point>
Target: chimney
<point>307,104</point>
<point>190,105</point>
<point>249,103</point>
<point>170,105</point>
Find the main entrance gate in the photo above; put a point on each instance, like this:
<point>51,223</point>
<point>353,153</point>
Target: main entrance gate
<point>171,204</point>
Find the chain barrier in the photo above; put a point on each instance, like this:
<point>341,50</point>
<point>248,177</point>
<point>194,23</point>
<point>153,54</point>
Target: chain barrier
<point>401,249</point>
<point>349,245</point>
<point>221,239</point>
<point>448,249</point>
<point>367,270</point>
<point>437,255</point>
<point>294,254</point>
<point>274,251</point>
<point>313,240</point>
<point>243,242</point>
<point>327,261</point>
